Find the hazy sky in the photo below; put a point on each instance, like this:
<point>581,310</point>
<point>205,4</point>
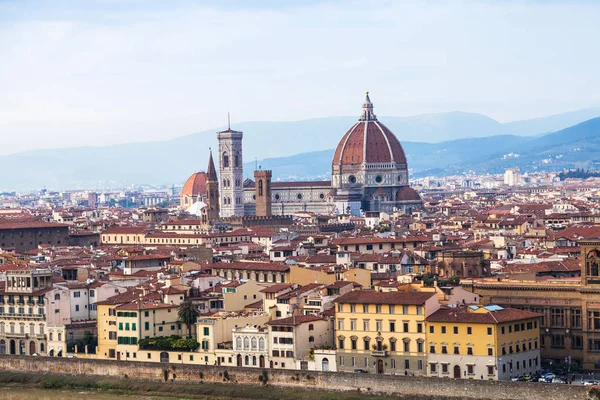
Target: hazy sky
<point>72,73</point>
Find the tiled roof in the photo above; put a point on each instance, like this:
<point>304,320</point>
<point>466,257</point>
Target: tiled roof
<point>490,317</point>
<point>296,320</point>
<point>372,297</point>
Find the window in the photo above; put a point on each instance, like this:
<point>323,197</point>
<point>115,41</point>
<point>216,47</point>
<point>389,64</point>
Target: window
<point>352,324</point>
<point>444,368</point>
<point>470,350</point>
<point>77,294</point>
<point>456,350</point>
<point>432,349</point>
<point>76,307</point>
<point>432,368</point>
<point>444,349</point>
<point>419,310</point>
<point>406,346</point>
<point>443,330</point>
<point>365,308</point>
<point>340,308</point>
<point>366,325</point>
<point>340,324</point>
<point>405,326</point>
<point>393,363</point>
<point>392,326</point>
<point>470,369</point>
<point>419,327</point>
<point>557,317</point>
<point>431,329</point>
<point>352,308</point>
<point>392,309</point>
<point>352,342</point>
<point>405,310</point>
<point>490,369</point>
<point>406,364</point>
<point>341,344</point>
<point>489,331</point>
<point>558,341</point>
<point>469,330</point>
<point>456,330</point>
<point>366,343</point>
<point>378,308</point>
<point>378,325</point>
<point>575,318</point>
<point>392,345</point>
<point>490,351</point>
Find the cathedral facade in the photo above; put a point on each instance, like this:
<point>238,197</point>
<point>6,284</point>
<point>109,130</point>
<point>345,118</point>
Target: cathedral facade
<point>369,172</point>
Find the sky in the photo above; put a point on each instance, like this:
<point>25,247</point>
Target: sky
<point>78,73</point>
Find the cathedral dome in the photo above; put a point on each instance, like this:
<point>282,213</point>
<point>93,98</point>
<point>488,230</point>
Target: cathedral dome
<point>369,142</point>
<point>195,185</point>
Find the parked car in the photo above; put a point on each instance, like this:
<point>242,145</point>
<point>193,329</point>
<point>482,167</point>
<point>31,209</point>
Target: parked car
<point>360,371</point>
<point>520,378</point>
<point>591,383</point>
<point>549,376</point>
<point>558,379</point>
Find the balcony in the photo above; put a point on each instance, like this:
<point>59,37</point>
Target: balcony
<point>379,353</point>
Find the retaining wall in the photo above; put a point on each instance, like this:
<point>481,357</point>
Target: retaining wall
<point>388,384</point>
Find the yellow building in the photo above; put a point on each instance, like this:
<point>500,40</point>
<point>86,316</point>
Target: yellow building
<point>125,319</point>
<point>383,332</point>
<point>491,342</point>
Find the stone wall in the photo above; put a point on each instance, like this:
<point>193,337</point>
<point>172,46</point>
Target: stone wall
<point>397,385</point>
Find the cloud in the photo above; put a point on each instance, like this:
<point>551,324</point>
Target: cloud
<point>76,73</point>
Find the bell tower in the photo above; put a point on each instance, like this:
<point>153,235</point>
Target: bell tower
<point>212,190</point>
<point>231,173</point>
<point>262,192</point>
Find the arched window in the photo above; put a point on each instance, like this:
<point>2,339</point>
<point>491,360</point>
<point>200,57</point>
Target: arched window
<point>236,160</point>
<point>254,343</point>
<point>225,160</point>
<point>261,344</point>
<point>246,343</point>
<point>238,343</point>
<point>260,188</point>
<point>311,327</point>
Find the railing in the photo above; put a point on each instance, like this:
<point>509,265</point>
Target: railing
<point>379,353</point>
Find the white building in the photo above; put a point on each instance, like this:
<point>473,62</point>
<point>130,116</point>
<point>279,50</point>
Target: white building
<point>512,177</point>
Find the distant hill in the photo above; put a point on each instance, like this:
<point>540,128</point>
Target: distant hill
<point>303,149</point>
<point>575,147</point>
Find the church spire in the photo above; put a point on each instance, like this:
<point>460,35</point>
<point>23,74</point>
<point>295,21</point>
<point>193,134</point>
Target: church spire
<point>211,171</point>
<point>367,110</point>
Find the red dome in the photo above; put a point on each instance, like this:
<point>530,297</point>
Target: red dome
<point>368,142</point>
<point>195,185</point>
<point>407,194</point>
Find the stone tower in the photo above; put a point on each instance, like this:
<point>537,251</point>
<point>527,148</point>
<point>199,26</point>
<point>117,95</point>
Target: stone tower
<point>212,190</point>
<point>231,173</point>
<point>262,192</point>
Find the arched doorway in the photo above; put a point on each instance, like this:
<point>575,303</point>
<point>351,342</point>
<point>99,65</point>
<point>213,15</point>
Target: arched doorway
<point>457,372</point>
<point>22,347</point>
<point>261,361</point>
<point>239,360</point>
<point>380,366</point>
<point>51,353</point>
<point>32,348</point>
<point>13,347</point>
<point>164,357</point>
<point>325,365</point>
<point>271,364</point>
<point>2,346</point>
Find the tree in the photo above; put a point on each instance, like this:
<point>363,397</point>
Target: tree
<point>188,314</point>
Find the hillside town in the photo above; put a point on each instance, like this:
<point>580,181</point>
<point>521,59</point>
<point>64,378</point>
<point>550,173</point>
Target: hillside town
<point>470,277</point>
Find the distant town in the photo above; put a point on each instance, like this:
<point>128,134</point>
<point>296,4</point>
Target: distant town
<point>484,277</point>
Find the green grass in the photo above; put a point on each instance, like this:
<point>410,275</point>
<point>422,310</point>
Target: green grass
<point>187,390</point>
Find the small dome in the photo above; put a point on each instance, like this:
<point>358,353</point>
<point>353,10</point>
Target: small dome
<point>406,193</point>
<point>195,185</point>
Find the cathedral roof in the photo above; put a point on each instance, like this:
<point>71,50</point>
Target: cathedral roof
<point>407,193</point>
<point>368,141</point>
<point>195,185</point>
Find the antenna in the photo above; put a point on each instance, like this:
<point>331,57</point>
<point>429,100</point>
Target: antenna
<point>256,163</point>
<point>228,121</point>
